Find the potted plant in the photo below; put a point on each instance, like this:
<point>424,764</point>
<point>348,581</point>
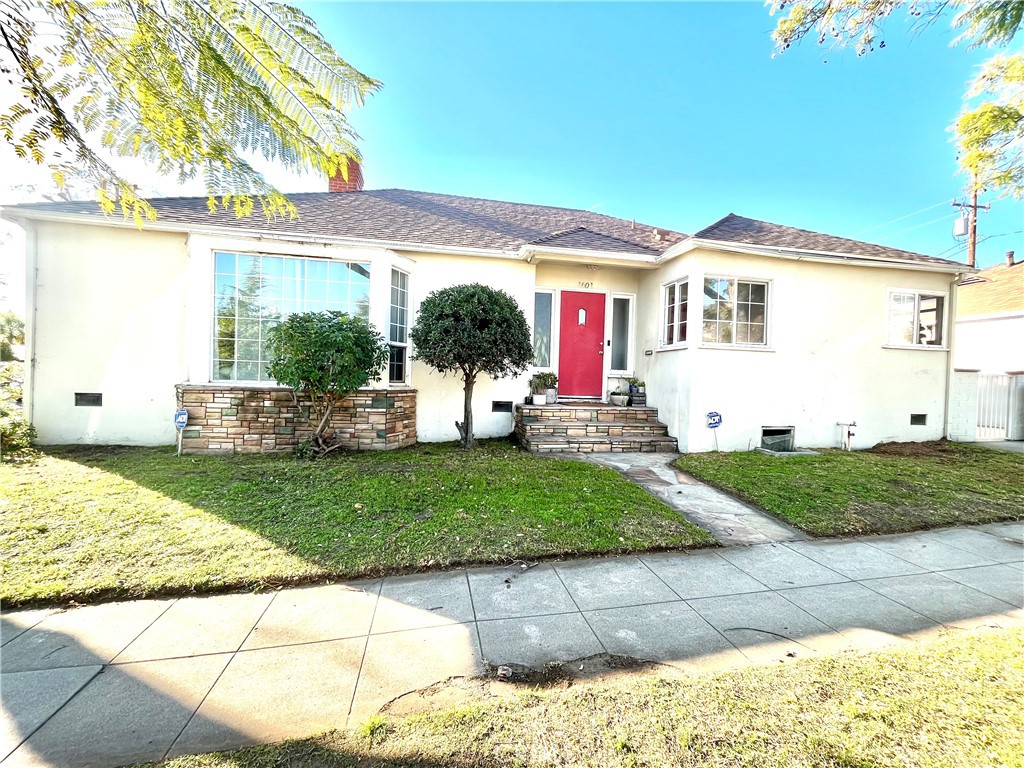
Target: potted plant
<point>549,381</point>
<point>618,397</point>
<point>538,385</point>
<point>636,385</point>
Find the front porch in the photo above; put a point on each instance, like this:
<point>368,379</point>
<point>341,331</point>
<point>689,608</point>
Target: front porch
<point>582,426</point>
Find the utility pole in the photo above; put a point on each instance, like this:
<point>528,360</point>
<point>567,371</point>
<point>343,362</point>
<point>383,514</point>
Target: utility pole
<point>972,222</point>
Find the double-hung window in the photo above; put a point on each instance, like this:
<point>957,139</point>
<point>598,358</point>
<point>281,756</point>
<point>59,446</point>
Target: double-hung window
<point>675,317</point>
<point>398,334</point>
<point>916,319</point>
<point>254,292</point>
<point>735,311</point>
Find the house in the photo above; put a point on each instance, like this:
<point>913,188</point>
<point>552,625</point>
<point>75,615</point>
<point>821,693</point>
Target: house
<point>990,319</point>
<point>780,331</point>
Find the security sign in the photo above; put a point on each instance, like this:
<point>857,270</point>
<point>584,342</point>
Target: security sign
<point>180,418</point>
<point>714,420</point>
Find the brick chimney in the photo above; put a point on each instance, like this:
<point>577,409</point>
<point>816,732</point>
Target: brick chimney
<point>337,182</point>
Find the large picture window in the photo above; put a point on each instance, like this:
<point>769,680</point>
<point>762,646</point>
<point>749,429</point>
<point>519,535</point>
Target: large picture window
<point>916,319</point>
<point>398,334</point>
<point>676,300</point>
<point>735,311</point>
<point>254,292</point>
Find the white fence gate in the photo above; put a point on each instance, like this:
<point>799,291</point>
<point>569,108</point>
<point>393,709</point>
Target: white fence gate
<point>993,406</point>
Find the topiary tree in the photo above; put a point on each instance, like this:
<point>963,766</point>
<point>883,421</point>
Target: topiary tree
<point>472,329</point>
<point>326,356</point>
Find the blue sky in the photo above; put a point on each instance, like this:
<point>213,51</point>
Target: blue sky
<point>670,113</point>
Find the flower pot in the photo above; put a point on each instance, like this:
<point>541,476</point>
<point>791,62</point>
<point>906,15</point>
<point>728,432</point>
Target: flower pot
<point>539,399</point>
<point>619,400</point>
<point>551,395</point>
<point>642,390</point>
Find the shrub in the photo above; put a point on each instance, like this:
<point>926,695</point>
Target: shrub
<point>16,434</point>
<point>472,329</point>
<point>326,356</point>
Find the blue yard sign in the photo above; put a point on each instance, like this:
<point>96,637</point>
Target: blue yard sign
<point>714,420</point>
<point>180,418</point>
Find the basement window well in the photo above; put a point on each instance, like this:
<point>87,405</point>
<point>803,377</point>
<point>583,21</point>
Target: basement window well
<point>779,439</point>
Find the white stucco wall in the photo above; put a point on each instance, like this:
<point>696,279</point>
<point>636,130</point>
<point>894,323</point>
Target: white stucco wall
<point>826,360</point>
<point>439,403</point>
<point>108,317</point>
<point>992,344</point>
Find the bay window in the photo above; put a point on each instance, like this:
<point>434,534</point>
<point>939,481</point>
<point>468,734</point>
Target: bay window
<point>735,311</point>
<point>254,292</point>
<point>675,315</point>
<point>398,333</point>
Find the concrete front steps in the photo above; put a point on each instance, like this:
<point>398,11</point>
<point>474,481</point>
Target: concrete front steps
<point>591,428</point>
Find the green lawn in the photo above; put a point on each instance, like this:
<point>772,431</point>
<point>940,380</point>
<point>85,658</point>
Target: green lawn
<point>895,487</point>
<point>91,523</point>
<point>949,703</point>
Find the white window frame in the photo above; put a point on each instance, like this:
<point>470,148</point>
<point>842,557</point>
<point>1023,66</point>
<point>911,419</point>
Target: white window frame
<point>552,330</point>
<point>406,345</point>
<point>918,294</point>
<point>737,279</point>
<point>211,301</point>
<point>630,333</point>
<point>663,326</point>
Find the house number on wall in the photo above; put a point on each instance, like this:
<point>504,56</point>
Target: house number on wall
<point>586,285</point>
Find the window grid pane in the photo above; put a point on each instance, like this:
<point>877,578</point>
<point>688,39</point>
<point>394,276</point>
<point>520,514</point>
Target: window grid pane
<point>398,327</point>
<point>253,293</point>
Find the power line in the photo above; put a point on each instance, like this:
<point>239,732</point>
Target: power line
<point>918,226</point>
<point>901,218</point>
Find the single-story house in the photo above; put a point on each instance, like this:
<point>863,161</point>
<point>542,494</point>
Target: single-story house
<point>990,319</point>
<point>774,328</point>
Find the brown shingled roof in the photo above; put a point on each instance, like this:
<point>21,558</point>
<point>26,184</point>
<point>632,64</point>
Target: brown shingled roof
<point>407,216</point>
<point>999,289</point>
<point>738,229</point>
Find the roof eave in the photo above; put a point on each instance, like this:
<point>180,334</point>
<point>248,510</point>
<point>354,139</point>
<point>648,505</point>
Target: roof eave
<point>17,215</point>
<point>824,257</point>
<point>533,253</point>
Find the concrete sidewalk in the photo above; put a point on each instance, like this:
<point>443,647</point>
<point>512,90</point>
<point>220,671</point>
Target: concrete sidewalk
<point>121,683</point>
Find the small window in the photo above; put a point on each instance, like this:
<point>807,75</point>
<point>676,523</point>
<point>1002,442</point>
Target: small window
<point>916,319</point>
<point>918,419</point>
<point>622,307</point>
<point>735,311</point>
<point>398,333</point>
<point>542,309</point>
<point>90,399</point>
<point>501,406</point>
<point>675,314</point>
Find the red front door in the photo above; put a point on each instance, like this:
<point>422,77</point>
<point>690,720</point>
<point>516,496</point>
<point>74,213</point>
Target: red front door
<point>581,344</point>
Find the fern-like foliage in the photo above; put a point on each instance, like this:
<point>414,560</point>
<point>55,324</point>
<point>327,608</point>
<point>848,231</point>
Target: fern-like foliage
<point>190,86</point>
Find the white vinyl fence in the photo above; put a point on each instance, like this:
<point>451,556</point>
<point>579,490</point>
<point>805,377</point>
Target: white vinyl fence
<point>993,406</point>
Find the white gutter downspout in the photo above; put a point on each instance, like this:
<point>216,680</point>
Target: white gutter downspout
<point>31,280</point>
<point>954,295</point>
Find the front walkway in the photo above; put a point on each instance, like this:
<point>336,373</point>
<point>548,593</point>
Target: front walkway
<point>726,518</point>
<point>122,683</point>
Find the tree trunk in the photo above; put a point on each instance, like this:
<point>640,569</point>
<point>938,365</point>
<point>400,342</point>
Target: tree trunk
<point>466,427</point>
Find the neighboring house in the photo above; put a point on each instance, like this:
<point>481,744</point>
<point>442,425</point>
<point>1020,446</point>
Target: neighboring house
<point>990,319</point>
<point>770,326</point>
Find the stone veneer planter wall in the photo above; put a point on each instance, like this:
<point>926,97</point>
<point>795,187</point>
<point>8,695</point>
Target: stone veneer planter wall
<point>228,418</point>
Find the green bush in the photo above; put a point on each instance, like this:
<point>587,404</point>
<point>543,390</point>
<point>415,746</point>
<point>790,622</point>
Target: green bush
<point>16,434</point>
<point>472,329</point>
<point>326,356</point>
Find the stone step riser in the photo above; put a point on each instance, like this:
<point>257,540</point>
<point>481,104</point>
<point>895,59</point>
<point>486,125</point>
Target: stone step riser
<point>569,429</point>
<point>588,415</point>
<point>625,446</point>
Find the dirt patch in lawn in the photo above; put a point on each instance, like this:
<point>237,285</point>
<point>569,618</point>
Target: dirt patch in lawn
<point>931,449</point>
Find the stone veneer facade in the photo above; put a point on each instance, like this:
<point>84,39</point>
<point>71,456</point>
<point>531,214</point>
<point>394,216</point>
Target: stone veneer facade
<point>228,418</point>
